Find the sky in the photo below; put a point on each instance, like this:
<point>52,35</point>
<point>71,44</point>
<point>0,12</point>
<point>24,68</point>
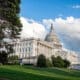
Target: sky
<point>37,15</point>
<point>40,9</point>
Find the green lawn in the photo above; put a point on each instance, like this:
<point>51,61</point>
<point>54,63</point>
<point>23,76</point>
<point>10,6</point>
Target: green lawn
<point>16,72</point>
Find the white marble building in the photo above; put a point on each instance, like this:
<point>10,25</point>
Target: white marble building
<point>29,49</point>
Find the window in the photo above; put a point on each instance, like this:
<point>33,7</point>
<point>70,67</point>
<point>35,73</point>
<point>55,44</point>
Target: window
<point>26,49</point>
<point>23,49</point>
<point>29,49</point>
<point>30,43</point>
<point>26,44</point>
<point>23,44</point>
<point>20,49</point>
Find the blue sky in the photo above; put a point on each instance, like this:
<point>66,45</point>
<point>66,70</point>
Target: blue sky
<point>64,14</point>
<point>44,9</point>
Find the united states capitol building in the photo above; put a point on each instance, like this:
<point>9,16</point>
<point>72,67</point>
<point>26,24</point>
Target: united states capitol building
<point>29,49</point>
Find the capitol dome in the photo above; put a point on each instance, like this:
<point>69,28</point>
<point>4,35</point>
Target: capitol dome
<point>52,37</point>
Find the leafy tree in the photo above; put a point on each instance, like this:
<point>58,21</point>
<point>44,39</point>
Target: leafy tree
<point>53,60</point>
<point>41,62</point>
<point>3,57</point>
<point>60,62</point>
<point>13,59</point>
<point>57,61</point>
<point>10,25</point>
<point>49,63</point>
<point>5,35</point>
<point>9,11</point>
<point>66,63</point>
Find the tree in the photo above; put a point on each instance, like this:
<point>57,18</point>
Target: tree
<point>5,43</point>
<point>10,25</point>
<point>49,63</point>
<point>66,63</point>
<point>57,61</point>
<point>9,11</point>
<point>3,57</point>
<point>13,59</point>
<point>53,60</point>
<point>60,62</point>
<point>41,62</point>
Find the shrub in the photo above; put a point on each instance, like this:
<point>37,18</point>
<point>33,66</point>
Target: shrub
<point>66,63</point>
<point>13,59</point>
<point>49,63</point>
<point>3,57</point>
<point>60,62</point>
<point>57,61</point>
<point>41,62</point>
<point>53,59</point>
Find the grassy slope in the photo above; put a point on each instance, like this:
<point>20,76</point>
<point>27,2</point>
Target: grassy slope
<point>32,73</point>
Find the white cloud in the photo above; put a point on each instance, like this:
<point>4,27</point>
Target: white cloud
<point>60,15</point>
<point>68,30</point>
<point>68,25</point>
<point>76,6</point>
<point>32,28</point>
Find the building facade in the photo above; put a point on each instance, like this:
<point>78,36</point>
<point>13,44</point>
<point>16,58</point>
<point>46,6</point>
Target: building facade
<point>29,49</point>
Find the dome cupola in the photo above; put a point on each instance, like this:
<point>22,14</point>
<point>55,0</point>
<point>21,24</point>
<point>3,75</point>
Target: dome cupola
<point>52,37</point>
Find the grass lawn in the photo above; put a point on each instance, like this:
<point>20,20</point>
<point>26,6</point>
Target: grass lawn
<point>16,72</point>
